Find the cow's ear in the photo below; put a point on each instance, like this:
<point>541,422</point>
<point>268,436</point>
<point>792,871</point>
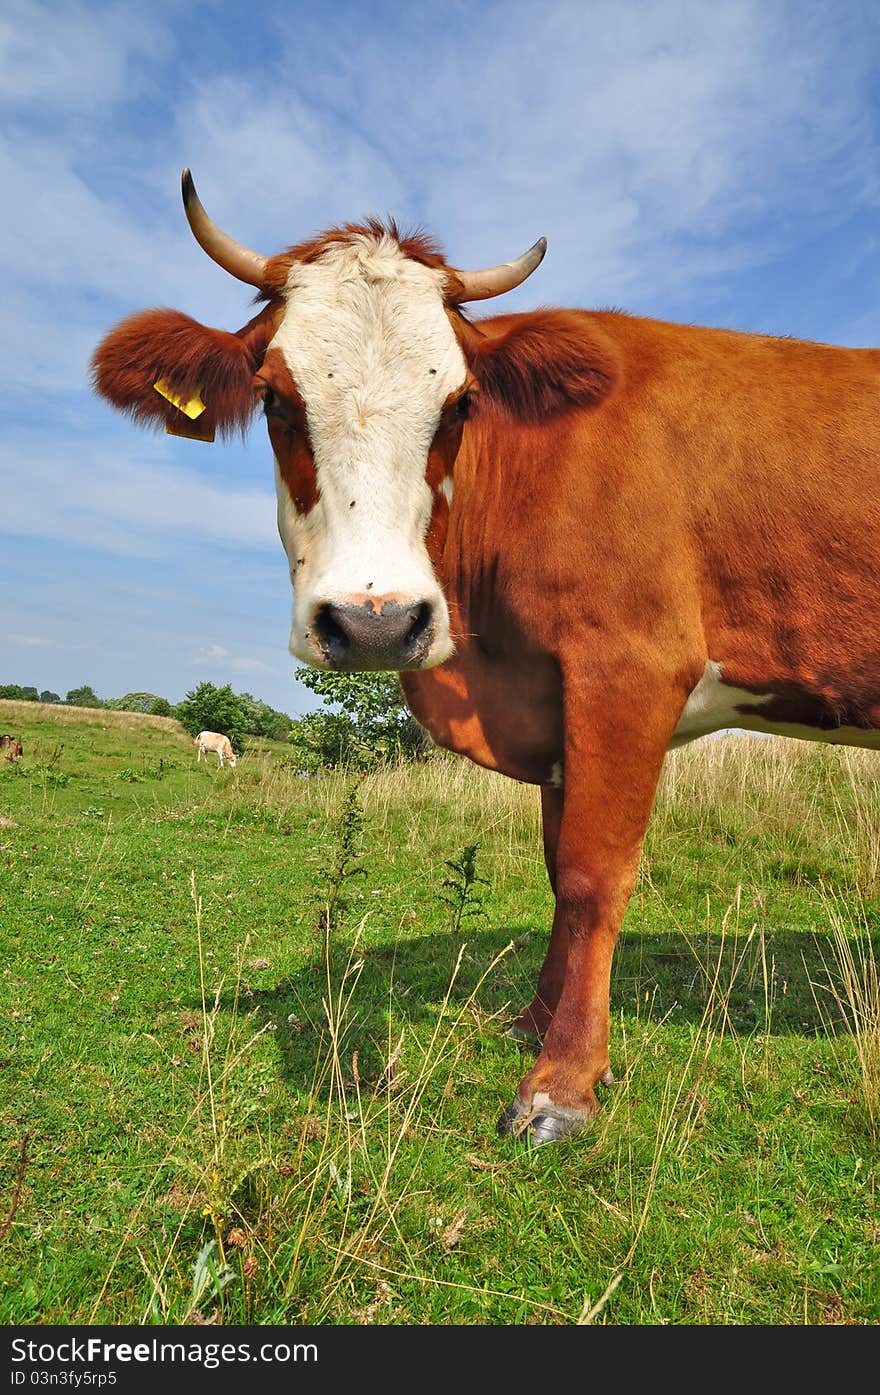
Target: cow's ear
<point>538,365</point>
<point>165,369</point>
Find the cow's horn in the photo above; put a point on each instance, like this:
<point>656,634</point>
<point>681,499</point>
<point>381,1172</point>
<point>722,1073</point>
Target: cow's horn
<point>220,247</point>
<point>495,280</point>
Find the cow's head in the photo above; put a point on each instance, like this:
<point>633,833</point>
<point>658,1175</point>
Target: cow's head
<point>366,370</point>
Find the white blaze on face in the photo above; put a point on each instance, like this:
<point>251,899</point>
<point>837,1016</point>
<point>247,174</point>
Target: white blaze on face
<point>371,350</point>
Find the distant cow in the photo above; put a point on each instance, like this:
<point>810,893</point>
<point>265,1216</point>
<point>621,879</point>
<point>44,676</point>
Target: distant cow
<point>215,741</point>
<point>11,747</point>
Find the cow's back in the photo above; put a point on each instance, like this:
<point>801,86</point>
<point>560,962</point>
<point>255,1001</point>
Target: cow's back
<point>778,447</point>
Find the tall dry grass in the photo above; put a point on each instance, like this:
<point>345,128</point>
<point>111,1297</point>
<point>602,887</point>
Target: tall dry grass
<point>851,992</point>
<point>444,795</point>
<point>14,713</point>
<point>821,799</point>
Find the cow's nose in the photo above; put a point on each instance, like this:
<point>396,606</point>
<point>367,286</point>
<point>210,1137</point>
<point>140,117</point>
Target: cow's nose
<point>375,634</point>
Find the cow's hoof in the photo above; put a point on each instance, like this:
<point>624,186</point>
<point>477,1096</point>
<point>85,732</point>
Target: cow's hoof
<point>542,1121</point>
<point>514,1118</point>
<point>554,1124</point>
<point>524,1035</point>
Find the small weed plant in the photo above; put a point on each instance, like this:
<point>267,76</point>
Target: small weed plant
<point>342,864</point>
<point>460,890</point>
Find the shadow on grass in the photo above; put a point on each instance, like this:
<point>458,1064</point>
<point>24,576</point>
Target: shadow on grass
<point>770,986</point>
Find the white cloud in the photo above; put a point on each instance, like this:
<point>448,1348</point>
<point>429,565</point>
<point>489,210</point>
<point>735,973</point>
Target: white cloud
<point>243,665</point>
<point>30,641</point>
<point>85,492</point>
<point>77,241</point>
<point>638,137</point>
<point>241,137</point>
<point>73,57</point>
<point>216,656</point>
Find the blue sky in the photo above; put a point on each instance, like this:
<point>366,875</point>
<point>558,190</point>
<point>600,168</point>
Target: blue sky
<point>712,163</point>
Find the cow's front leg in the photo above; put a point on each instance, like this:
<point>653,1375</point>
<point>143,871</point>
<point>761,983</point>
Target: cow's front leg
<point>613,761</point>
<point>533,1021</point>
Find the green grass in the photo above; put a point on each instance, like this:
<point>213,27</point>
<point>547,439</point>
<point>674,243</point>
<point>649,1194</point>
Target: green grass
<point>232,1114</point>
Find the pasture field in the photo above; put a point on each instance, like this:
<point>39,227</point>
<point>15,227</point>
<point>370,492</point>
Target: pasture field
<point>251,1059</point>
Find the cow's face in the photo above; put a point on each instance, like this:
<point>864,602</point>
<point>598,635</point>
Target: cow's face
<point>365,369</point>
<point>364,387</point>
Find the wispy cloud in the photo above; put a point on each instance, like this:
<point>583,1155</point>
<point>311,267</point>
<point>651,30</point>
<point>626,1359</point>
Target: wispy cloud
<point>30,641</point>
<point>139,505</point>
<point>75,58</point>
<point>639,137</point>
<point>216,656</point>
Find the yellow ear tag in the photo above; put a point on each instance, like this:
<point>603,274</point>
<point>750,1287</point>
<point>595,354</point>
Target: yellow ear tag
<point>191,409</point>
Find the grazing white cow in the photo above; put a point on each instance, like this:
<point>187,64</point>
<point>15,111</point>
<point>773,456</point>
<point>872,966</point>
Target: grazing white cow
<point>215,741</point>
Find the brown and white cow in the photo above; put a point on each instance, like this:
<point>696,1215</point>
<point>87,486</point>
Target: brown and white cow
<point>10,747</point>
<point>584,538</point>
<point>218,743</point>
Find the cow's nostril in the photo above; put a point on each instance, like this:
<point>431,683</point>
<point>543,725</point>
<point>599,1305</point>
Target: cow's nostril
<point>421,621</point>
<point>331,635</point>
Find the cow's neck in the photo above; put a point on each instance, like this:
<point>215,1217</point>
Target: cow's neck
<point>500,681</point>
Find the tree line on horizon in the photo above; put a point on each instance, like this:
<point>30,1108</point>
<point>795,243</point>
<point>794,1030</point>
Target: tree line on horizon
<point>363,721</point>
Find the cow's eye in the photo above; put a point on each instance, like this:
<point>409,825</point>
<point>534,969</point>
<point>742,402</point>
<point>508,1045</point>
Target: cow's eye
<point>271,403</point>
<point>463,406</point>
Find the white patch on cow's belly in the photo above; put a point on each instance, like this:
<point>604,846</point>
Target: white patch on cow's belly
<point>715,705</point>
<point>712,706</point>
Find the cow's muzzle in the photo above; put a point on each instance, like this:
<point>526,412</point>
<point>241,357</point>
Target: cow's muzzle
<point>377,634</point>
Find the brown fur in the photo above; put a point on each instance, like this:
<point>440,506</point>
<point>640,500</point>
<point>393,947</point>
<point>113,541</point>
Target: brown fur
<point>288,431</point>
<point>535,366</point>
<point>191,358</point>
<point>417,245</point>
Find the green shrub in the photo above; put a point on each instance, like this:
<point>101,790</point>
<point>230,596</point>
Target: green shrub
<point>364,722</point>
<point>209,708</point>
